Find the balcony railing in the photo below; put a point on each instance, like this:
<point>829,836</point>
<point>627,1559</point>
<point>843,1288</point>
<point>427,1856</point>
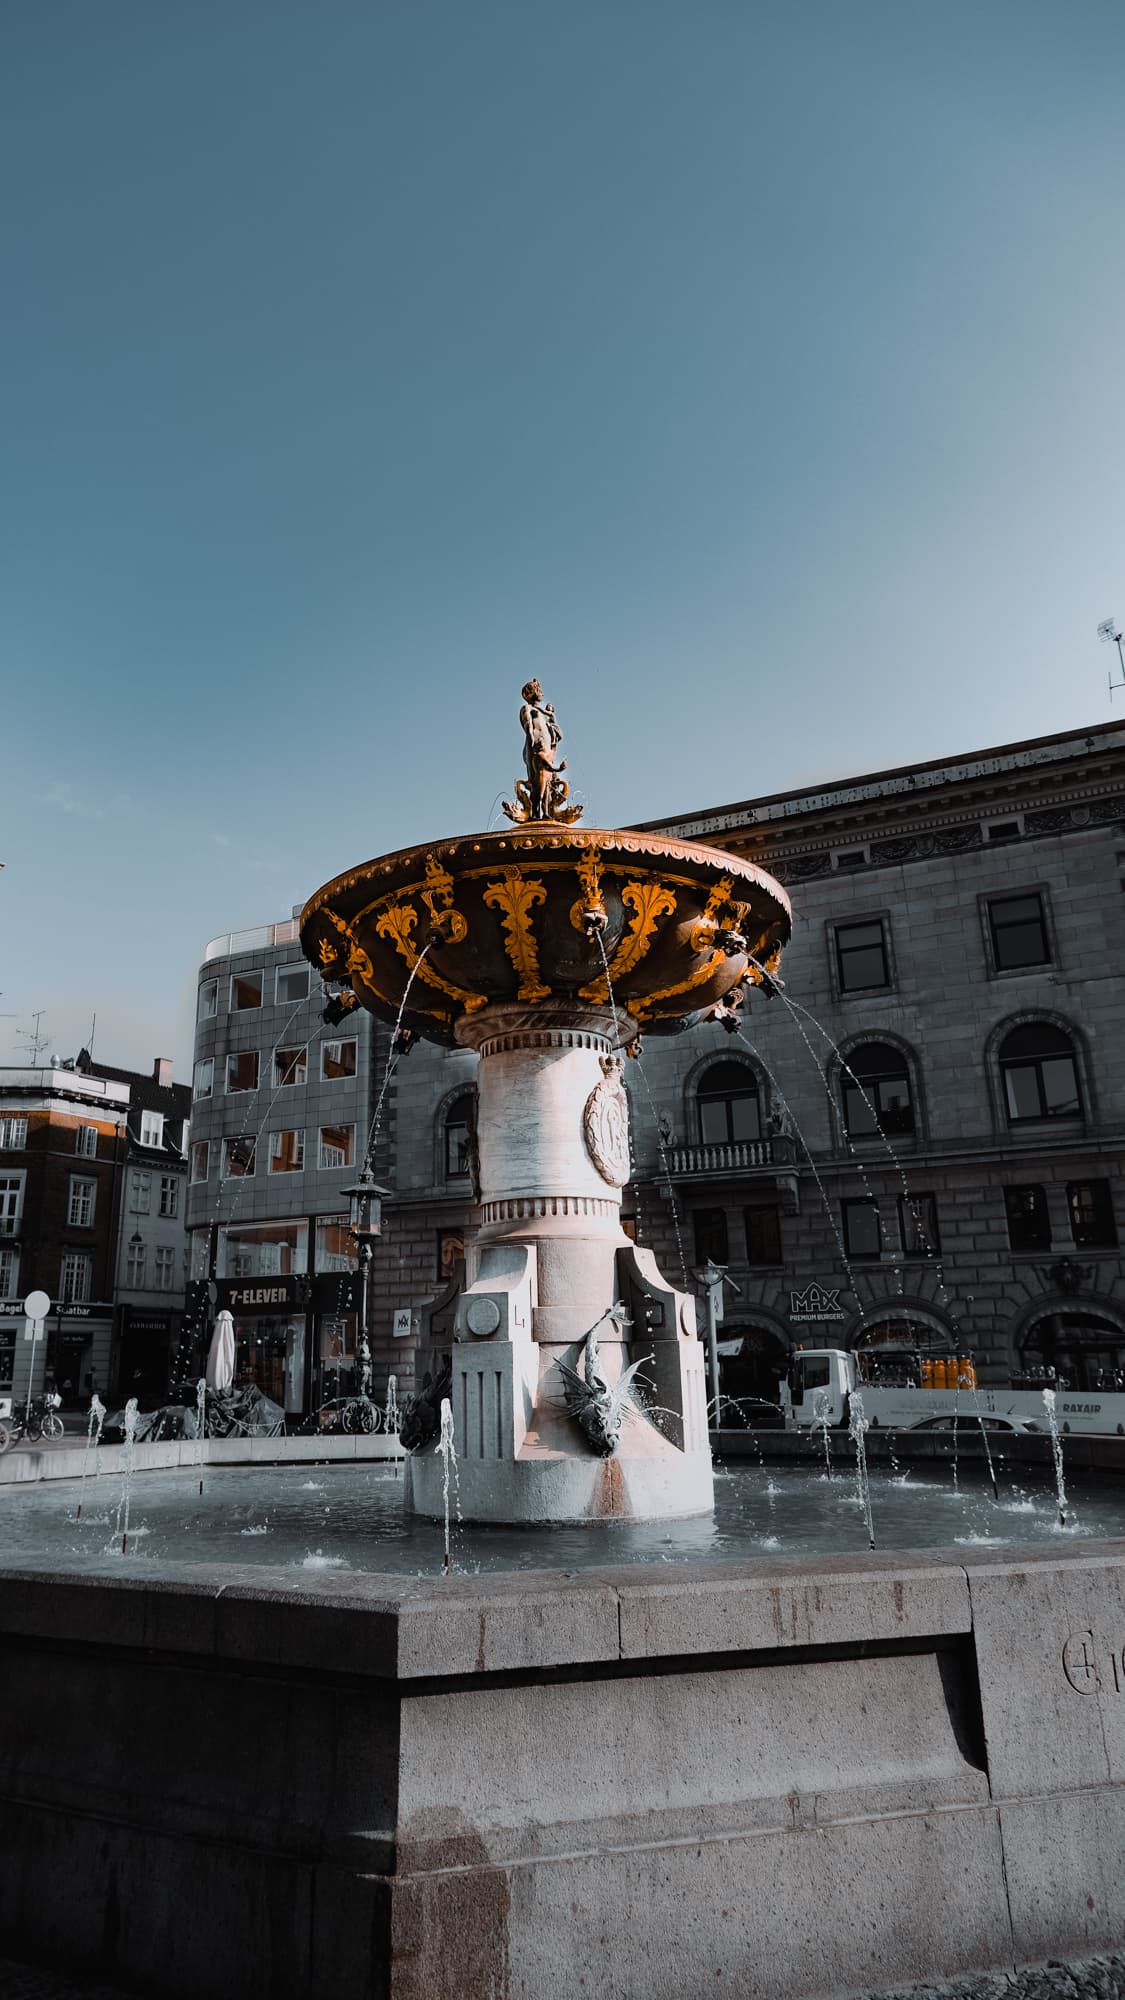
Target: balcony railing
<point>261,938</point>
<point>736,1157</point>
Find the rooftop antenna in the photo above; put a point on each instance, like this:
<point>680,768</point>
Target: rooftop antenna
<point>1108,631</point>
<point>36,1041</point>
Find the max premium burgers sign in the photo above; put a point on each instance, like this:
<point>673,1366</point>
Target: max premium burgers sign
<point>816,1302</point>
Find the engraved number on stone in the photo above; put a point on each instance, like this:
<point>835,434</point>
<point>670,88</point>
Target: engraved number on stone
<point>1079,1664</point>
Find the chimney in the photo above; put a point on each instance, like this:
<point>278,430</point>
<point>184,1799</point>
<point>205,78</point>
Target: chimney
<point>162,1072</point>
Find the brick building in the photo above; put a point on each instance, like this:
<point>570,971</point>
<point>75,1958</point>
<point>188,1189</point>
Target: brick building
<point>923,1135</point>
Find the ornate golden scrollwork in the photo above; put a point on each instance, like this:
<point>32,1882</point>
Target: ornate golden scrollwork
<point>591,903</point>
<point>397,923</point>
<point>355,959</point>
<point>718,900</point>
<point>438,898</point>
<point>515,897</point>
<point>649,901</point>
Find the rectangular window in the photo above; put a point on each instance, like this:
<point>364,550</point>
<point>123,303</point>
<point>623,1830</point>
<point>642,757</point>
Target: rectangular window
<point>9,1271</point>
<point>712,1242</point>
<point>242,1071</point>
<point>200,1159</point>
<point>152,1128</point>
<point>335,1248</point>
<point>200,1253</point>
<point>1092,1223</point>
<point>239,1159</point>
<point>264,1249</point>
<point>165,1267</point>
<point>862,1234</point>
<point>458,1144</point>
<point>287,1152</point>
<point>74,1285</point>
<point>861,957</point>
<point>11,1203</point>
<point>1019,932</point>
<point>245,991</point>
<point>208,1000</point>
<point>290,1066</point>
<point>13,1134</point>
<point>80,1208</point>
<point>203,1078</point>
<point>1029,1222</point>
<point>86,1142</point>
<point>140,1193</point>
<point>337,1145</point>
<point>337,1059</point>
<point>292,984</point>
<point>918,1225</point>
<point>169,1194</point>
<point>763,1235</point>
<point>135,1267</point>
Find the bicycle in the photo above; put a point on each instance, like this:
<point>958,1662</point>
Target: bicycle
<point>38,1419</point>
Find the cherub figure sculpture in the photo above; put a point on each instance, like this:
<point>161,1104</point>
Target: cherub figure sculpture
<point>542,794</point>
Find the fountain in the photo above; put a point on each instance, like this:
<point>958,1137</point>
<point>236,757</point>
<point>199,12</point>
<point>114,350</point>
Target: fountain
<point>549,949</point>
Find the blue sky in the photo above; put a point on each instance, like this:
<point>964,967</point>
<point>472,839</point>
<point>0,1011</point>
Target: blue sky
<point>752,373</point>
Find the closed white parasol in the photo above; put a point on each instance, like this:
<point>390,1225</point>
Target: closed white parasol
<point>220,1354</point>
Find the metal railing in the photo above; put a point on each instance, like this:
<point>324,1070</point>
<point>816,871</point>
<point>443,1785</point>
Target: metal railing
<point>260,938</point>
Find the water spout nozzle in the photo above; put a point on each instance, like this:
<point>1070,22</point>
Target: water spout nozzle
<point>594,922</point>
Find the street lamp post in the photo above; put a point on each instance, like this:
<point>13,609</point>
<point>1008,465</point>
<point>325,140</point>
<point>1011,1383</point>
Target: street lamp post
<point>365,1200</point>
<point>711,1278</point>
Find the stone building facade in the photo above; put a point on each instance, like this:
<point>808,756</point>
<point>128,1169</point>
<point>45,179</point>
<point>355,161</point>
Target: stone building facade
<point>921,1137</point>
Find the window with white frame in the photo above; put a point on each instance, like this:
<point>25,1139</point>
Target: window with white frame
<point>242,1071</point>
<point>11,1203</point>
<point>239,1160</point>
<point>165,1267</point>
<point>292,984</point>
<point>337,1060</point>
<point>80,1208</point>
<point>203,1078</point>
<point>290,1066</point>
<point>200,1159</point>
<point>152,1128</point>
<point>208,1000</point>
<point>9,1271</point>
<point>140,1193</point>
<point>135,1267</point>
<point>169,1194</point>
<point>337,1145</point>
<point>287,1152</point>
<point>13,1135</point>
<point>86,1142</point>
<point>74,1277</point>
<point>245,991</point>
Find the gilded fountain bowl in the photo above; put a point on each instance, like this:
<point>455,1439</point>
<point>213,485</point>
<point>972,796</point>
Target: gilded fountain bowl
<point>532,916</point>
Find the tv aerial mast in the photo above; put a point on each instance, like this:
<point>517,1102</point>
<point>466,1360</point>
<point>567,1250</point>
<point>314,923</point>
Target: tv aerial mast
<point>1110,632</point>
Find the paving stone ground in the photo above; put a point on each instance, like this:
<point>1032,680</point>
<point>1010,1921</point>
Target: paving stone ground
<point>1078,1979</point>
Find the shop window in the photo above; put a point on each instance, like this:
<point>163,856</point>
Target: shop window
<point>337,1059</point>
<point>13,1135</point>
<point>242,1071</point>
<point>1018,929</point>
<point>1039,1073</point>
<point>1029,1221</point>
<point>203,1078</point>
<point>459,1138</point>
<point>152,1128</point>
<point>1092,1223</point>
<point>918,1225</point>
<point>86,1142</point>
<point>862,959</point>
<point>862,1234</point>
<point>245,991</point>
<point>169,1195</point>
<point>290,1066</point>
<point>239,1159</point>
<point>264,1249</point>
<point>200,1159</point>
<point>727,1096</point>
<point>337,1145</point>
<point>763,1235</point>
<point>208,1002</point>
<point>876,1093</point>
<point>712,1240</point>
<point>74,1278</point>
<point>335,1245</point>
<point>80,1207</point>
<point>287,1152</point>
<point>292,984</point>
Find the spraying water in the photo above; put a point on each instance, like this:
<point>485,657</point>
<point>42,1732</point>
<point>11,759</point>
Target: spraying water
<point>128,1465</point>
<point>857,1425</point>
<point>391,1418</point>
<point>94,1424</point>
<point>448,1465</point>
<point>820,1423</point>
<point>1057,1450</point>
<point>200,1423</point>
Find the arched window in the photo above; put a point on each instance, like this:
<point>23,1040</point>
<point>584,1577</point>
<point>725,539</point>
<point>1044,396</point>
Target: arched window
<point>728,1104</point>
<point>877,1092</point>
<point>460,1119</point>
<point>1039,1073</point>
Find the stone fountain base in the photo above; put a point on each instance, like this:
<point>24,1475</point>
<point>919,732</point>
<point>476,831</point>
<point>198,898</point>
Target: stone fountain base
<point>646,1479</point>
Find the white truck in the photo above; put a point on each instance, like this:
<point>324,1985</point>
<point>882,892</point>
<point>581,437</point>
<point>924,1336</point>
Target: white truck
<point>822,1381</point>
